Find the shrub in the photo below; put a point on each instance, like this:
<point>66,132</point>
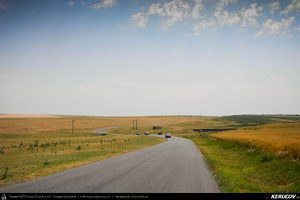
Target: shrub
<point>46,162</point>
<point>21,144</point>
<point>5,175</point>
<point>2,150</point>
<point>266,158</point>
<point>36,144</point>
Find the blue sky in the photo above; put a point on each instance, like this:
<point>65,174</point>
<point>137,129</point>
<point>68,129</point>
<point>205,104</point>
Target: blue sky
<point>138,57</point>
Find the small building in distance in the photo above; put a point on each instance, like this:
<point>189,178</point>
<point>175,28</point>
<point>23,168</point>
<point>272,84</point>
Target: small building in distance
<point>157,127</point>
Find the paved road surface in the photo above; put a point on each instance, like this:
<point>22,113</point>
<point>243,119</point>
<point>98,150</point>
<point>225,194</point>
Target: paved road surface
<point>172,166</point>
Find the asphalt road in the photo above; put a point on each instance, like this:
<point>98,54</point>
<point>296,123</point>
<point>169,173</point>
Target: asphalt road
<point>172,166</point>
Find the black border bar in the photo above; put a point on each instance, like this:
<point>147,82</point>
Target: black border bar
<point>213,196</point>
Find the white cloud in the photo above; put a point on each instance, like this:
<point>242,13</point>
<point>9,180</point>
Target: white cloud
<point>104,4</point>
<point>226,18</point>
<point>274,6</point>
<point>173,11</point>
<point>156,9</point>
<point>223,16</point>
<point>276,27</point>
<point>198,6</point>
<point>293,6</point>
<point>140,19</point>
<point>71,3</point>
<point>176,10</point>
<point>249,15</point>
<point>223,3</point>
<point>204,24</point>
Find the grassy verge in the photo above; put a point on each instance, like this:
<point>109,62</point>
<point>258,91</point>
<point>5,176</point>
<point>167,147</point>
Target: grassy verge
<point>25,157</point>
<point>241,168</point>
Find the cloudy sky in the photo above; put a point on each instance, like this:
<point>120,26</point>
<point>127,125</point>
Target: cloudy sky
<point>149,57</point>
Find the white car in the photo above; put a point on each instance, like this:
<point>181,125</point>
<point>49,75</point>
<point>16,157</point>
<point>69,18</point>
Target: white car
<point>168,135</point>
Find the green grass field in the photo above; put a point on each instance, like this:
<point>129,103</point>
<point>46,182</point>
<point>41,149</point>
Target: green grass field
<point>254,120</point>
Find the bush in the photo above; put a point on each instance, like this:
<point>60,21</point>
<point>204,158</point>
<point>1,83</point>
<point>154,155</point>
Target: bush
<point>21,144</point>
<point>266,158</point>
<point>36,144</point>
<point>46,162</point>
<point>5,174</point>
<point>78,148</point>
<point>2,150</point>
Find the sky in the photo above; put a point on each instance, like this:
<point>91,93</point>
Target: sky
<point>150,57</point>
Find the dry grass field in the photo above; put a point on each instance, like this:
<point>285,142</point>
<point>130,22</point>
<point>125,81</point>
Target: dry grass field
<point>186,125</point>
<point>27,116</point>
<point>26,158</point>
<point>282,139</point>
<point>34,125</point>
<point>32,147</point>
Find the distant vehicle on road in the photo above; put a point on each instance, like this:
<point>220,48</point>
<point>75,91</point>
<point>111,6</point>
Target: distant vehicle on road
<point>159,133</point>
<point>138,133</point>
<point>168,135</point>
<point>146,133</point>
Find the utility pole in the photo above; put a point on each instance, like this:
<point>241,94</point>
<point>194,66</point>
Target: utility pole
<point>133,124</point>
<point>72,126</point>
<point>136,124</point>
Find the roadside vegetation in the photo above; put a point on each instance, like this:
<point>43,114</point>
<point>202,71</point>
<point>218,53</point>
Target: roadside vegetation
<point>243,168</point>
<point>261,156</point>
